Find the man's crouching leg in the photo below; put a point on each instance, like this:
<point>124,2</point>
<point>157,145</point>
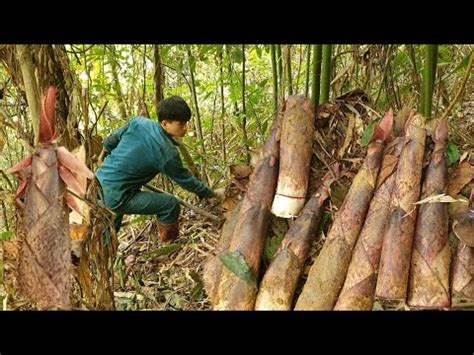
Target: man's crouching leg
<point>168,226</point>
<point>166,208</point>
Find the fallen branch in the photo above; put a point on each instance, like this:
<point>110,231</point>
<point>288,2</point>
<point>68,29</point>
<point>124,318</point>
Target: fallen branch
<point>187,204</point>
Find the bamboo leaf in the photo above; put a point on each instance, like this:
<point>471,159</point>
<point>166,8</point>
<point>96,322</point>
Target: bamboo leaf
<point>452,153</point>
<point>197,293</point>
<point>237,55</point>
<point>443,198</point>
<point>463,63</point>
<point>461,176</point>
<point>6,235</point>
<point>162,252</point>
<point>271,246</point>
<point>367,136</point>
<point>325,219</point>
<point>236,263</point>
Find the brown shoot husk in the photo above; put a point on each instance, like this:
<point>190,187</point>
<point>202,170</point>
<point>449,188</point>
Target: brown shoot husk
<point>429,273</point>
<point>395,257</point>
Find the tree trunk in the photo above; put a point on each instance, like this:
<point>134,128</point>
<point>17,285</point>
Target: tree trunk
<point>117,87</point>
<point>158,76</point>
<point>194,94</point>
<point>198,116</point>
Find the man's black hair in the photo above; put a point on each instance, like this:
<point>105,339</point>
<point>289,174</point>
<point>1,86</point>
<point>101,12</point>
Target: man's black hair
<point>174,108</point>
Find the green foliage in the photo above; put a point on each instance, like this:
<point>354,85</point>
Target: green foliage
<point>452,152</point>
<point>325,219</point>
<point>162,252</point>
<point>236,263</point>
<point>271,246</point>
<point>367,135</point>
<point>6,235</point>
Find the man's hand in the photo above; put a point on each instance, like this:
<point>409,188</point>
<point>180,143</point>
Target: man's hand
<point>100,159</point>
<point>219,194</point>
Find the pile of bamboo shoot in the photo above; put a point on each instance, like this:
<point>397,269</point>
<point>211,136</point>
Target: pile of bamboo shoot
<point>389,241</point>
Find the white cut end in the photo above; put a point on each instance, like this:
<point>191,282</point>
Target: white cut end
<point>287,207</point>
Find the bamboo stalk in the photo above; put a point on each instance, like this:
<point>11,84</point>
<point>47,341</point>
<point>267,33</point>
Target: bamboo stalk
<point>308,66</point>
<point>315,87</point>
<point>429,71</point>
<point>31,87</point>
<point>325,73</point>
<point>275,78</point>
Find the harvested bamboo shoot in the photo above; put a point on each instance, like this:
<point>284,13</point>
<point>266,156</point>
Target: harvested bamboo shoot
<point>359,286</point>
<point>395,258</point>
<point>431,255</point>
<point>328,272</point>
<point>248,239</point>
<point>295,157</point>
<point>280,280</point>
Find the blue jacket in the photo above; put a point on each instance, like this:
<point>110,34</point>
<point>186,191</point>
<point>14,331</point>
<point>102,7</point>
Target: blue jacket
<point>136,153</point>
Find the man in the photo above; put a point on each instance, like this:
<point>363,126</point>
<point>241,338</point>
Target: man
<point>134,155</point>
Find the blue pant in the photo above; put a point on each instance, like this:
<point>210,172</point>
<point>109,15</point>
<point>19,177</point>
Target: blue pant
<point>166,207</point>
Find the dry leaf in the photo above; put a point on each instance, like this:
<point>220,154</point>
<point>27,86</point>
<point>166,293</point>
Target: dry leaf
<point>349,134</point>
<point>463,174</point>
<point>229,203</point>
<point>240,171</point>
<point>438,198</point>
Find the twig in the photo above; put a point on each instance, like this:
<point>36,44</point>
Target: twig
<point>6,178</point>
<point>135,238</point>
<point>187,204</point>
<point>7,121</point>
<point>461,89</point>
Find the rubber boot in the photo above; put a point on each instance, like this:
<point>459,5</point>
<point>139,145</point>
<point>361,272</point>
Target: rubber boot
<point>168,232</point>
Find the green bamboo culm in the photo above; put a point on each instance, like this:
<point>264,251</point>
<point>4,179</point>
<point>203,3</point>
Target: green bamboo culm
<point>325,73</point>
<point>429,75</point>
<point>279,58</point>
<point>288,70</point>
<point>308,65</point>
<point>275,78</point>
<point>316,84</point>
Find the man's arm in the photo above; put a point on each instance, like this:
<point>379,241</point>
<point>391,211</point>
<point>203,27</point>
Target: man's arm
<point>177,172</point>
<point>113,140</point>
